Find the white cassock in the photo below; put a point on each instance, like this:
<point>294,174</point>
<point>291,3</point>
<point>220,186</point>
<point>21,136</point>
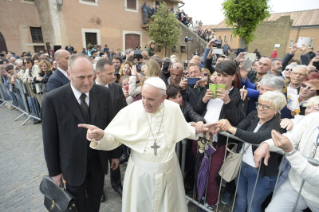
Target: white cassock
<point>152,182</point>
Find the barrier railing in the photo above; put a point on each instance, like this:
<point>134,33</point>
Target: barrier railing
<point>21,98</point>
<point>228,135</point>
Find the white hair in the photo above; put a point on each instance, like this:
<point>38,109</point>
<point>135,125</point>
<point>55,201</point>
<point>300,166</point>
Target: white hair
<point>312,101</point>
<point>276,98</point>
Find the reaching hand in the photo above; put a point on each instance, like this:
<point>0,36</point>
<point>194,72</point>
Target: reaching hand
<point>133,70</point>
<point>94,133</point>
<point>202,82</point>
<point>211,43</point>
<point>213,128</point>
<point>286,124</point>
<point>244,93</point>
<point>281,141</point>
<point>293,49</point>
<point>210,54</point>
<point>243,73</point>
<point>224,124</point>
<point>241,57</point>
<point>262,152</point>
<point>303,48</point>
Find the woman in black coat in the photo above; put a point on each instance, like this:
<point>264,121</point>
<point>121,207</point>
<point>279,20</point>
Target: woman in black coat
<point>256,128</point>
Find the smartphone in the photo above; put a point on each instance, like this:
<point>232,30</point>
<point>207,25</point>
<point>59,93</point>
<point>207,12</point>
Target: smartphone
<point>137,54</point>
<point>192,81</point>
<point>217,51</point>
<point>303,40</point>
<point>247,64</point>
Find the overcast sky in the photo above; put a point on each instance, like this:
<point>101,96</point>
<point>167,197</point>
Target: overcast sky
<point>210,11</point>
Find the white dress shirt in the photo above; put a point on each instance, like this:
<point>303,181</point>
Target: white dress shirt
<point>107,85</point>
<point>78,94</point>
<point>63,72</point>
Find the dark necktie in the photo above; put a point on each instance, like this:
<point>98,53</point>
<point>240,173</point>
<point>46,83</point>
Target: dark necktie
<point>84,106</point>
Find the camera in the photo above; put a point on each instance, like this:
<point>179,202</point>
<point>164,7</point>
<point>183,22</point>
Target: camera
<point>188,39</point>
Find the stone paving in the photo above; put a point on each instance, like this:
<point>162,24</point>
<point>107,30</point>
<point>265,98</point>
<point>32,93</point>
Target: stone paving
<point>23,167</point>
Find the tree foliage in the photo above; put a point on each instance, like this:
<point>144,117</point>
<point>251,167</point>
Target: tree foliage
<point>244,16</point>
<point>164,27</point>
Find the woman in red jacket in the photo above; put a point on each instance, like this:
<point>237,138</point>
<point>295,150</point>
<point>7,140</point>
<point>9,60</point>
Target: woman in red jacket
<point>274,54</point>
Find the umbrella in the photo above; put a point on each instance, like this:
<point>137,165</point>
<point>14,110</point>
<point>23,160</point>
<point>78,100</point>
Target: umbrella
<point>203,172</point>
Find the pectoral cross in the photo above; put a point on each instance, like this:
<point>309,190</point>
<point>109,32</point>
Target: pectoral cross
<point>155,147</point>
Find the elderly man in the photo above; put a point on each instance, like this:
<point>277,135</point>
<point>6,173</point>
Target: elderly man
<point>66,149</point>
<point>153,181</point>
<point>59,77</point>
<point>173,73</point>
<point>268,83</point>
<point>297,76</point>
<point>276,67</point>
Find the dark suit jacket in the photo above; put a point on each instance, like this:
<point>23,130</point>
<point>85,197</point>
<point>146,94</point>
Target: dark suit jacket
<point>57,80</point>
<point>65,144</point>
<point>118,98</point>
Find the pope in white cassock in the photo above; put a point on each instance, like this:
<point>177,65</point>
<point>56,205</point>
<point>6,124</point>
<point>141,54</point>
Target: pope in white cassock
<point>150,127</point>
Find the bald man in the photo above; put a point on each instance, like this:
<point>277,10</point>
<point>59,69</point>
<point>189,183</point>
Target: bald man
<point>263,66</point>
<point>59,77</point>
<point>177,74</point>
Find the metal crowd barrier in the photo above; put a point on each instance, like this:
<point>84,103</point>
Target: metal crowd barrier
<point>21,98</point>
<point>228,135</point>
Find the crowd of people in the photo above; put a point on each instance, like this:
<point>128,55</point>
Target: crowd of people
<point>246,103</point>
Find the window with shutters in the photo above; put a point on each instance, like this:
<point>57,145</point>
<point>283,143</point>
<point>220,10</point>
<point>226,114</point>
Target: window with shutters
<point>131,5</point>
<point>89,2</point>
<point>132,41</point>
<point>36,34</point>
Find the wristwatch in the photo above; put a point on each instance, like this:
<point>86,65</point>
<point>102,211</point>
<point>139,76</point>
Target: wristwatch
<point>290,153</point>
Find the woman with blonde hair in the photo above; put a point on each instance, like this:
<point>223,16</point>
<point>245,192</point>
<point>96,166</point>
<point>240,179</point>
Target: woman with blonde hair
<point>151,69</point>
<point>150,48</point>
<point>44,72</point>
<point>126,68</point>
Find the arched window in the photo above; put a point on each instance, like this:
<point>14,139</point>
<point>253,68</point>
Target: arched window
<point>231,38</point>
<point>225,38</point>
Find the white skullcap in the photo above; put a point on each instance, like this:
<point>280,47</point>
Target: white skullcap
<point>173,56</point>
<point>156,82</point>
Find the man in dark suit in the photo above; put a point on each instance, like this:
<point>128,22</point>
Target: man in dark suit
<point>105,77</point>
<point>59,77</point>
<point>66,149</point>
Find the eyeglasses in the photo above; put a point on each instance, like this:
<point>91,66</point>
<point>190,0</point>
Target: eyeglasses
<point>288,69</point>
<point>300,74</point>
<point>264,107</point>
<point>178,68</point>
<point>28,62</point>
<point>306,87</point>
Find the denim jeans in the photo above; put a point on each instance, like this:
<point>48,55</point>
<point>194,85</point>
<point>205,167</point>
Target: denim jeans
<point>246,185</point>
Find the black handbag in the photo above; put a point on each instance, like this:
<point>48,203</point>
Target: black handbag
<point>56,199</point>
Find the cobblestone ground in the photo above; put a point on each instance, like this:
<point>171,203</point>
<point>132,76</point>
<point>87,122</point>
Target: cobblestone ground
<point>23,167</point>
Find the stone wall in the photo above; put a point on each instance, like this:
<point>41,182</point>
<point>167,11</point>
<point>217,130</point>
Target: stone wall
<point>190,46</point>
<point>270,33</point>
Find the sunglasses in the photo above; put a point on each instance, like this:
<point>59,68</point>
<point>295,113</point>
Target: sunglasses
<point>264,107</point>
<point>307,87</point>
<point>178,68</point>
<point>288,69</point>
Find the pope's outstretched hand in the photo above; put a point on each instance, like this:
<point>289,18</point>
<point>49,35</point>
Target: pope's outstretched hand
<point>93,133</point>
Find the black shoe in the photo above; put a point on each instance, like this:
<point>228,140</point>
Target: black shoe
<point>118,190</point>
<point>123,159</point>
<point>36,121</point>
<point>103,197</point>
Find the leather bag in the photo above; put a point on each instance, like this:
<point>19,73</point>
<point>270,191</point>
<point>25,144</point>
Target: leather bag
<point>231,166</point>
<point>56,199</point>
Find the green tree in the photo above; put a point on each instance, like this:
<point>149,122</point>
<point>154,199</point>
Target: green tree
<point>244,16</point>
<point>164,27</point>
